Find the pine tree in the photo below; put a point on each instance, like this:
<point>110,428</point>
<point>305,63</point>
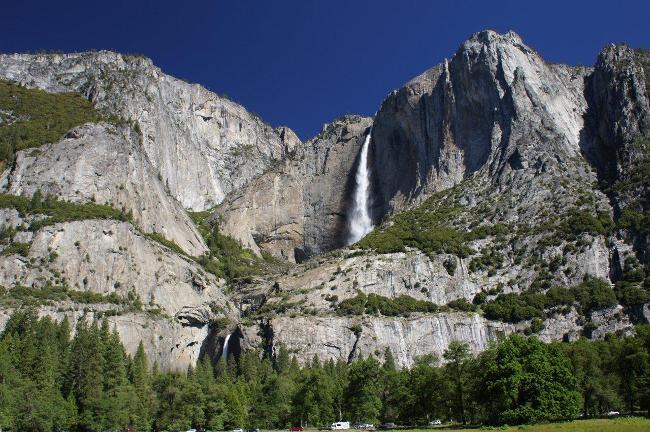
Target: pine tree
<point>85,374</point>
<point>9,384</point>
<point>282,361</point>
<point>142,407</point>
<point>391,389</point>
<point>115,401</point>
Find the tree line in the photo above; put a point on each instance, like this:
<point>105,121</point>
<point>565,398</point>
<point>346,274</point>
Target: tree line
<point>52,381</point>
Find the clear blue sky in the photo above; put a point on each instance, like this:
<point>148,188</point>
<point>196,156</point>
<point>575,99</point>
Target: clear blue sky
<point>304,62</point>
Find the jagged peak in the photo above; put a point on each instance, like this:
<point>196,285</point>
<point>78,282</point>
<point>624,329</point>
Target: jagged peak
<point>492,41</point>
<point>491,36</point>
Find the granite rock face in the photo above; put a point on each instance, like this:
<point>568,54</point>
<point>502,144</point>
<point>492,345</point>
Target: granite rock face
<point>106,256</point>
<point>619,111</point>
<point>346,339</point>
<point>495,107</point>
<point>202,145</point>
<point>104,164</point>
<point>298,208</point>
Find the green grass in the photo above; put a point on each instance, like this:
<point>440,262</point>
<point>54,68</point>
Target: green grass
<point>33,117</point>
<point>624,424</point>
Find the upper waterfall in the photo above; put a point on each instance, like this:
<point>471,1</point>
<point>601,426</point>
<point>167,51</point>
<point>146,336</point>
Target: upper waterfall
<point>360,223</point>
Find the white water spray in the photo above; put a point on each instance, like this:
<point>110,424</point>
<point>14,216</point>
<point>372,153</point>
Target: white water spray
<point>224,351</point>
<point>360,223</point>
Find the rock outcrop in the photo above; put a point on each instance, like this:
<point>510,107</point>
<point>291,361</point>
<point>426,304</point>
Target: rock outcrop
<point>495,107</point>
<point>346,339</point>
<point>106,256</point>
<point>202,145</point>
<point>104,164</point>
<point>298,208</point>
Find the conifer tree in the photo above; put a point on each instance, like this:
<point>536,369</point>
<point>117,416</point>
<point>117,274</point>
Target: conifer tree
<point>141,410</point>
<point>85,374</point>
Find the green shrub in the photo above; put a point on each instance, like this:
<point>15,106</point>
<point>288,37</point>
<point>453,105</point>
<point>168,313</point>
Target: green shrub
<point>227,258</point>
<point>450,266</point>
<point>56,293</point>
<point>17,248</point>
<point>579,222</point>
<point>489,260</point>
<point>157,237</point>
<point>374,304</point>
<point>559,296</point>
<point>593,294</point>
<point>58,210</point>
<point>536,325</point>
<point>630,293</point>
<point>425,227</point>
<point>462,305</point>
<point>513,307</point>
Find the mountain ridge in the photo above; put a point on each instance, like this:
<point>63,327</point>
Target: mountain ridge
<point>489,188</point>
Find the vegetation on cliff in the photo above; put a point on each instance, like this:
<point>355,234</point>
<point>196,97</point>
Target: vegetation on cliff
<point>58,211</point>
<point>227,258</point>
<point>592,294</point>
<point>31,117</point>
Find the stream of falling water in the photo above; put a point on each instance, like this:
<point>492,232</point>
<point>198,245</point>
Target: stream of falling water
<point>361,223</point>
<point>224,351</point>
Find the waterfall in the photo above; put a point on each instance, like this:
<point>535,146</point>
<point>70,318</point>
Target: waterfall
<point>224,351</point>
<point>360,223</point>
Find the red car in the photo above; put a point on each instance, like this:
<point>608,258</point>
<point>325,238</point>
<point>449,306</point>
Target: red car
<point>297,429</point>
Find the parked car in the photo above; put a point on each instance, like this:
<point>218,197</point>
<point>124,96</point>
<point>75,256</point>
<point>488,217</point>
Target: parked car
<point>296,429</point>
<point>387,426</point>
<point>435,422</point>
<point>365,426</point>
<point>613,414</point>
<point>252,430</point>
<point>340,425</point>
<point>238,430</point>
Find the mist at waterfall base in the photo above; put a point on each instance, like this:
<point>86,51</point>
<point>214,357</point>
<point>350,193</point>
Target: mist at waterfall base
<point>360,221</point>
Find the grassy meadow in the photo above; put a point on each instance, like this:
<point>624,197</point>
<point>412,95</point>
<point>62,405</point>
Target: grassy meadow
<point>623,424</point>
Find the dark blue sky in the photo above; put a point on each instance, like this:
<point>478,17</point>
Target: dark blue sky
<point>304,62</point>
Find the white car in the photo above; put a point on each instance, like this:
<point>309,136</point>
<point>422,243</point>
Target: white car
<point>435,422</point>
<point>613,413</point>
